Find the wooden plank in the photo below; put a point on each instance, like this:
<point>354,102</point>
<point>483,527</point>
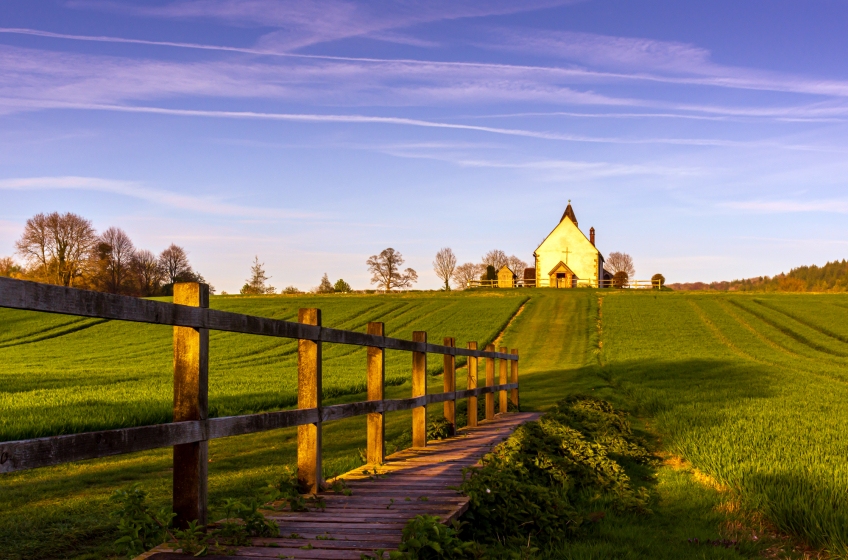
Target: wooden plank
<point>49,451</point>
<point>375,381</point>
<point>419,388</point>
<point>309,393</point>
<point>191,403</point>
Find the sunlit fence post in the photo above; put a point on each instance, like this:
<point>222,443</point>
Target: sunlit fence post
<point>419,389</point>
<point>515,379</point>
<point>191,402</point>
<point>309,396</point>
<point>472,384</point>
<point>490,381</point>
<point>449,385</point>
<point>502,369</point>
<point>376,438</point>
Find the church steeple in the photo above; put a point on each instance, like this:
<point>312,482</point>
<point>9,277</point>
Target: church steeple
<point>569,213</point>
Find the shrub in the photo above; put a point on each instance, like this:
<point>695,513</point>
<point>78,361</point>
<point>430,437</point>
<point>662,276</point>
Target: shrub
<point>342,286</point>
<point>620,279</point>
<point>658,281</point>
<point>556,475</point>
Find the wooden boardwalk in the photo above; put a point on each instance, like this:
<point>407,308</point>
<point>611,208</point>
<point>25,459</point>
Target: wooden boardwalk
<point>411,482</point>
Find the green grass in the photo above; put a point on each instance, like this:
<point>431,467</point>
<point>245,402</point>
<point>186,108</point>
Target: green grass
<point>749,389</point>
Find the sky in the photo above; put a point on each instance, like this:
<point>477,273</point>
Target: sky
<point>707,139</point>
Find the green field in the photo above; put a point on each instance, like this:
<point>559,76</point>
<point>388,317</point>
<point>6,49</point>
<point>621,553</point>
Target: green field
<point>744,394</point>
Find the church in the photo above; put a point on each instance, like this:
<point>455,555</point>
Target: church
<point>567,258</point>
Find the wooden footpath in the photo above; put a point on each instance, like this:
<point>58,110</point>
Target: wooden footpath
<point>412,482</point>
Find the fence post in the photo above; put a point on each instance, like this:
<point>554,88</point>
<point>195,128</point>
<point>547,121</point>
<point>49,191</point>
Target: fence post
<point>503,365</point>
<point>309,474</point>
<point>191,402</point>
<point>419,389</point>
<point>472,384</point>
<point>449,377</point>
<point>515,378</point>
<point>376,378</point>
<point>490,381</point>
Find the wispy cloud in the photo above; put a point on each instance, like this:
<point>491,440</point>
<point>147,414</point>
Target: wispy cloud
<point>160,197</point>
<point>403,121</point>
<point>307,22</point>
<point>633,60</point>
<point>836,205</point>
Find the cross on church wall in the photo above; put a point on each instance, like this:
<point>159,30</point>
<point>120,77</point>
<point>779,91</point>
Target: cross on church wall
<point>566,252</point>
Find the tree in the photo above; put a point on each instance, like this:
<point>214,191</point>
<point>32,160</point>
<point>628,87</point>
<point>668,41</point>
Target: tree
<point>325,287</point>
<point>291,290</point>
<point>116,253</point>
<point>516,265</point>
<point>385,270</point>
<point>8,267</point>
<point>658,281</point>
<point>147,272</point>
<point>342,286</point>
<point>256,283</point>
<point>57,246</point>
<point>495,258</point>
<point>490,273</point>
<point>444,265</point>
<point>618,262</point>
<point>620,279</point>
<point>174,263</point>
<point>465,273</point>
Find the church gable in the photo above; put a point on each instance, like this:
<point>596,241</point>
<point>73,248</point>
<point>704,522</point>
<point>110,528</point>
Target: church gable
<point>567,254</point>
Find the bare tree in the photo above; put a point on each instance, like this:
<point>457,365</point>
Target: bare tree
<point>516,265</point>
<point>618,262</point>
<point>444,265</point>
<point>148,273</point>
<point>174,263</point>
<point>256,283</point>
<point>385,270</point>
<point>116,252</point>
<point>57,246</point>
<point>495,258</point>
<point>464,273</point>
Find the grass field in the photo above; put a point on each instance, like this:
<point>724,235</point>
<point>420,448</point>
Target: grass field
<point>745,396</point>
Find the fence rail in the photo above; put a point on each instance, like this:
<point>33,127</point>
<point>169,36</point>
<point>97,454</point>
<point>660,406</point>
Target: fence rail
<point>546,283</point>
<point>191,429</point>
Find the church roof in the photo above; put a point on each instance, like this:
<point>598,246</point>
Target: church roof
<point>569,213</point>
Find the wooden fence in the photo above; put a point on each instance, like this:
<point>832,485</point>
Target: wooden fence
<point>546,283</point>
<point>191,428</point>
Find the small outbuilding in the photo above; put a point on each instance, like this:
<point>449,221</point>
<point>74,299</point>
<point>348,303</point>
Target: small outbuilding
<point>506,277</point>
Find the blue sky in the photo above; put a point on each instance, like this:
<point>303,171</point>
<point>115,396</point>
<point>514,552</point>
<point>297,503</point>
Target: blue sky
<point>706,139</point>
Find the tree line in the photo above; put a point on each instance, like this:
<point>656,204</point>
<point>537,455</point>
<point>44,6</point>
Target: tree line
<point>66,250</point>
<point>832,277</point>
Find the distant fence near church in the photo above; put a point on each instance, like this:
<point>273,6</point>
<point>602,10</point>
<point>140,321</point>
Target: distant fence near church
<point>546,283</point>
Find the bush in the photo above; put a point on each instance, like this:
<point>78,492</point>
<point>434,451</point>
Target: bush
<point>342,286</point>
<point>620,279</point>
<point>554,476</point>
<point>658,281</point>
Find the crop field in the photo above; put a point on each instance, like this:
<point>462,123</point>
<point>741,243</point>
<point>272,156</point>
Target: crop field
<point>744,396</point>
<point>62,374</point>
<point>751,389</point>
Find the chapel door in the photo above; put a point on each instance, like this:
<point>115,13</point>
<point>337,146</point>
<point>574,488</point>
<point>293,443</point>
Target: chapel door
<point>561,280</point>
